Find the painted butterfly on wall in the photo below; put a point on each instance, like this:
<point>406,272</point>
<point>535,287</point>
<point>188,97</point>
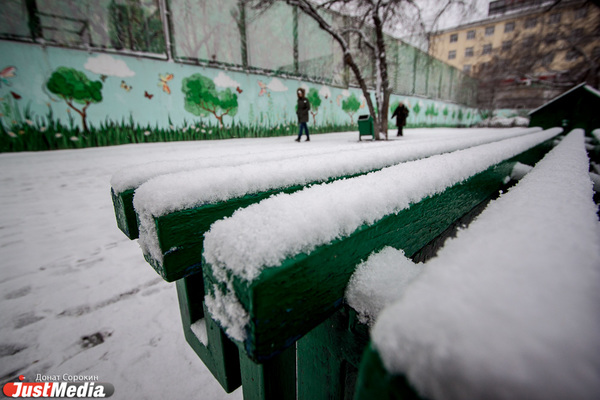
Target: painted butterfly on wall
<point>148,95</point>
<point>7,72</point>
<point>126,86</point>
<point>164,80</point>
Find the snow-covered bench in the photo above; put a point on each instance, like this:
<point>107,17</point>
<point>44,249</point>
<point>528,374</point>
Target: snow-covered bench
<point>507,310</point>
<point>174,209</point>
<point>126,181</point>
<point>412,217</point>
<point>277,269</point>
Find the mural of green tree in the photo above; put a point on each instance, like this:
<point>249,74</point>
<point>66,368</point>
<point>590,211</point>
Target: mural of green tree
<point>431,111</point>
<point>417,109</point>
<point>202,98</point>
<point>74,87</point>
<point>351,106</point>
<point>315,102</point>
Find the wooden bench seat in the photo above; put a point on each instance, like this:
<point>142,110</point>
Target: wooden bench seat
<point>506,320</point>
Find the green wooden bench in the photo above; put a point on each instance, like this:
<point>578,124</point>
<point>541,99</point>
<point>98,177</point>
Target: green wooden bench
<point>289,301</point>
<point>127,180</point>
<point>172,240</point>
<point>382,377</point>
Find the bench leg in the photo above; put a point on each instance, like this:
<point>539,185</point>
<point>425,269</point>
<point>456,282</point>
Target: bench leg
<point>329,356</point>
<point>218,353</point>
<point>274,379</point>
<point>374,382</point>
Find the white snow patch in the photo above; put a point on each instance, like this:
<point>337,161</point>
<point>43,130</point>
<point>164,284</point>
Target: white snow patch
<point>178,191</point>
<point>199,329</point>
<point>509,308</point>
<point>264,234</point>
<point>228,311</point>
<point>379,281</point>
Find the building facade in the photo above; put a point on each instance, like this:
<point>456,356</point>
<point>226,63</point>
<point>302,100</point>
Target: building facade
<point>525,52</point>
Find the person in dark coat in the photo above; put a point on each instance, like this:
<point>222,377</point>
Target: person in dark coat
<point>401,113</point>
<point>302,112</point>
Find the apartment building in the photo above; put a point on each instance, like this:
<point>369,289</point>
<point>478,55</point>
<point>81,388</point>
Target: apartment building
<point>543,45</point>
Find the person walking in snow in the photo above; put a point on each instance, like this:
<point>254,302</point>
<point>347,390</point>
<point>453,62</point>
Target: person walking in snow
<point>401,113</point>
<point>302,112</point>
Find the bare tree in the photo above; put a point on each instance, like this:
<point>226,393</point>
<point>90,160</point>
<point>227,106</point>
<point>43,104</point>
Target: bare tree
<point>367,25</point>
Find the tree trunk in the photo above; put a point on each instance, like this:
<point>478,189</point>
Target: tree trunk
<point>82,113</point>
<point>383,89</point>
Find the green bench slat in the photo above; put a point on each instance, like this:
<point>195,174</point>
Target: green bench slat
<point>180,234</point>
<point>329,357</point>
<point>288,301</point>
<point>125,213</point>
<point>374,382</point>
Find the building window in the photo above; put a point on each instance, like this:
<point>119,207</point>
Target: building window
<point>509,27</point>
<point>506,45</point>
<point>487,49</point>
<point>467,68</point>
<point>555,18</point>
<point>531,23</point>
<point>572,55</point>
<point>489,30</point>
<point>454,38</point>
<point>451,54</point>
<point>469,52</point>
<point>471,34</point>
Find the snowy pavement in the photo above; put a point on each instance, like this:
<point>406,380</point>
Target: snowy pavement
<point>77,297</point>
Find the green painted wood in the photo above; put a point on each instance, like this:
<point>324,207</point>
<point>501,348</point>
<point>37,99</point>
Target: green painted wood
<point>220,355</point>
<point>181,234</point>
<point>288,301</point>
<point>274,379</point>
<point>125,213</point>
<point>374,382</point>
<point>329,357</point>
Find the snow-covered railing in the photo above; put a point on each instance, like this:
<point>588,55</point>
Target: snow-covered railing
<point>174,210</point>
<point>507,310</point>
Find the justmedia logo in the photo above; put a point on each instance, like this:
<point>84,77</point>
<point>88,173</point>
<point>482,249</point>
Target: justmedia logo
<point>81,390</point>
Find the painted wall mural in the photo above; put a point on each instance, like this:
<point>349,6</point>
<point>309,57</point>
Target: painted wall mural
<point>54,98</point>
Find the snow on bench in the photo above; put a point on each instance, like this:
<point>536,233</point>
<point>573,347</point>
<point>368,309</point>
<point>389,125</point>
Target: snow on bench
<point>508,309</point>
<point>276,269</point>
<point>175,210</point>
<point>125,181</point>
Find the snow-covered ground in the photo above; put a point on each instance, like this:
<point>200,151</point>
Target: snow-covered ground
<point>77,297</point>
